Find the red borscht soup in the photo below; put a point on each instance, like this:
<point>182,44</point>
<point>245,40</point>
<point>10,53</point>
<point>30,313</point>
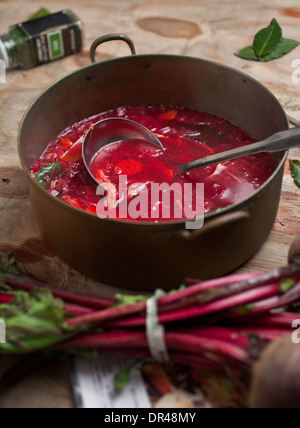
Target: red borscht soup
<point>186,135</point>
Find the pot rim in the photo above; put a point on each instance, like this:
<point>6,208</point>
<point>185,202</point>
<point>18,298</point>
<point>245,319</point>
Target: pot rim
<point>165,224</point>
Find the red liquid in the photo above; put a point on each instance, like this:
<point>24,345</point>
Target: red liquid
<point>186,135</point>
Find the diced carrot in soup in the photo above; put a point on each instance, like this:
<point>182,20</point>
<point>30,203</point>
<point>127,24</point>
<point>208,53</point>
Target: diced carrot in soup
<point>66,142</point>
<point>169,115</point>
<point>74,153</point>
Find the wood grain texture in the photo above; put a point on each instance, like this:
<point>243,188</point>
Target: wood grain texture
<point>210,29</point>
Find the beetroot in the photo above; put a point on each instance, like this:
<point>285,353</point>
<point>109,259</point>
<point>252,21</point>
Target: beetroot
<point>276,376</point>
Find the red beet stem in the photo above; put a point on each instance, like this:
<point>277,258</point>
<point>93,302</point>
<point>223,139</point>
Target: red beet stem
<point>222,304</point>
<point>210,348</point>
<point>220,282</point>
<point>119,312</point>
<point>109,340</point>
<point>229,335</point>
<point>78,310</point>
<point>284,319</point>
<point>237,283</point>
<point>6,298</point>
<point>80,299</point>
<point>245,282</point>
<point>108,314</point>
<point>73,309</point>
<point>205,346</point>
<point>201,310</point>
<point>267,305</point>
<point>264,333</point>
<point>201,287</point>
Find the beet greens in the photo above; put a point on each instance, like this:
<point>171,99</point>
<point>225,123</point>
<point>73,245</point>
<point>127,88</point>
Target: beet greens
<point>224,323</point>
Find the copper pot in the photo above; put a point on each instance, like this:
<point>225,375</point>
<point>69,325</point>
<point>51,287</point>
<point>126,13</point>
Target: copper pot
<point>146,256</point>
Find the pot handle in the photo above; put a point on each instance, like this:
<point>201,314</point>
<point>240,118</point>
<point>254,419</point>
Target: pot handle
<point>109,38</point>
<point>223,220</point>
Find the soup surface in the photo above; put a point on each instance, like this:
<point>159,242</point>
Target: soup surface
<point>129,169</point>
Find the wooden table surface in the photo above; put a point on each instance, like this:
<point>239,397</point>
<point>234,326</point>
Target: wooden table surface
<point>210,29</point>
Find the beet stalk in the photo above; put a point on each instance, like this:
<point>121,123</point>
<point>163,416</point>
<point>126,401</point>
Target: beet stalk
<point>201,310</point>
<point>6,298</point>
<point>201,287</point>
<point>251,282</point>
<point>275,377</point>
<point>229,335</point>
<point>268,334</point>
<point>108,314</point>
<point>175,341</point>
<point>73,309</point>
<point>80,299</point>
<point>169,299</point>
<point>78,310</point>
<point>267,305</point>
<point>236,283</point>
<point>283,319</point>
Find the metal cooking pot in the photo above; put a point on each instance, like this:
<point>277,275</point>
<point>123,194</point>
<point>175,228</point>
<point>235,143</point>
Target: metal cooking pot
<point>146,256</point>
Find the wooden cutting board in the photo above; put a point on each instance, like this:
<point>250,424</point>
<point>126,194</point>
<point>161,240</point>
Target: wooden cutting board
<point>210,29</point>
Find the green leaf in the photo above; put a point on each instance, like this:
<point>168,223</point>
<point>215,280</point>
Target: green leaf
<point>268,44</point>
<point>39,14</point>
<point>47,171</point>
<point>34,321</point>
<point>10,265</point>
<point>248,53</point>
<point>122,379</point>
<point>267,39</point>
<point>286,284</point>
<point>123,299</point>
<point>295,171</point>
<point>181,288</point>
<point>284,47</point>
<point>245,308</point>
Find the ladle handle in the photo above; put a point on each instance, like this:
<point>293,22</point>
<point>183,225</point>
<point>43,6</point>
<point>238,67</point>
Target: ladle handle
<point>284,140</point>
<point>109,38</point>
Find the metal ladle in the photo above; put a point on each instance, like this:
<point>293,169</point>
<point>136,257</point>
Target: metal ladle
<point>278,142</point>
<point>113,130</point>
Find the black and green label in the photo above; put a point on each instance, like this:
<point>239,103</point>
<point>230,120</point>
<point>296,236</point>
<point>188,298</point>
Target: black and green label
<point>56,45</point>
<point>53,36</point>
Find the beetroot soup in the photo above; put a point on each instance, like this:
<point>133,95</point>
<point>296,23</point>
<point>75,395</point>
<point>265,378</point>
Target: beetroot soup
<point>186,135</point>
